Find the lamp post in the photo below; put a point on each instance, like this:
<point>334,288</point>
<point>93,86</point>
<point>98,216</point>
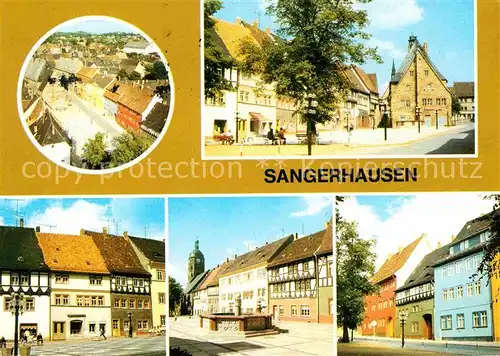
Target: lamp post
<point>385,119</point>
<point>129,314</point>
<point>311,104</point>
<point>417,114</point>
<point>402,319</point>
<point>16,307</point>
<point>237,126</point>
<point>437,119</point>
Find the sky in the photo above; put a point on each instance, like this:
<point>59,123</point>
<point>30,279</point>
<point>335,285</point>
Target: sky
<point>96,26</point>
<point>232,225</point>
<point>447,27</point>
<point>396,220</point>
<point>141,217</point>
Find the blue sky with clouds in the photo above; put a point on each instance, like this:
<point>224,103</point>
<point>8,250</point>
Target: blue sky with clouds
<point>447,26</point>
<point>231,225</point>
<point>394,221</point>
<point>143,217</point>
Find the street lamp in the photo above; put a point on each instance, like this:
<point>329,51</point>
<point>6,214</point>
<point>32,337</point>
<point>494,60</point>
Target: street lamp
<point>129,314</point>
<point>417,114</point>
<point>402,319</point>
<point>437,121</point>
<point>16,306</point>
<point>385,119</point>
<point>237,126</point>
<point>311,104</point>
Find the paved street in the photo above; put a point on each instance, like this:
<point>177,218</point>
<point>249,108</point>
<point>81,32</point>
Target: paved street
<point>298,339</point>
<point>78,118</point>
<point>453,140</point>
<point>145,346</point>
<point>387,346</point>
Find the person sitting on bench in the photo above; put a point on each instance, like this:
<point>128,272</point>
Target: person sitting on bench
<point>281,136</point>
<point>271,137</point>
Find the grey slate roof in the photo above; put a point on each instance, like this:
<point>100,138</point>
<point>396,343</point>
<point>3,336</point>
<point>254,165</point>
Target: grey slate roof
<point>474,227</point>
<point>191,286</point>
<point>154,250</point>
<point>410,56</point>
<point>424,272</point>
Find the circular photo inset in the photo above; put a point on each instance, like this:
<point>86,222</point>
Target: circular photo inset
<point>95,95</point>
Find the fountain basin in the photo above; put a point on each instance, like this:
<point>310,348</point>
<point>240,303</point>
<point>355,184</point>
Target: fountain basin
<point>240,323</point>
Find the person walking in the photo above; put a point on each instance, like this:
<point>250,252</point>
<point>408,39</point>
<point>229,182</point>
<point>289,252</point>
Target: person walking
<point>39,340</point>
<point>103,332</point>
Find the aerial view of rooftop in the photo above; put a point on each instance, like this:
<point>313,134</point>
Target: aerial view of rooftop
<point>95,94</point>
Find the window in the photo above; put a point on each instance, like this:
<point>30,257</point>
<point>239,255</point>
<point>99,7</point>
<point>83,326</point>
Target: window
<point>140,304</point>
<point>414,327</point>
<point>142,324</point>
<point>293,310</point>
<point>24,279</point>
<point>86,301</point>
<point>117,303</point>
<point>445,294</point>
<point>65,299</point>
<point>30,304</point>
<point>162,320</point>
<point>160,275</point>
<point>411,73</point>
<point>429,86</point>
<point>304,310</point>
<point>479,319</point>
<point>373,307</point>
<point>426,72</point>
<point>469,289</point>
<point>485,236</point>
<point>464,245</point>
<point>92,328</point>
<point>477,288</point>
<point>135,282</point>
<point>62,278</point>
<point>14,279</point>
<point>131,304</point>
<point>100,300</point>
<point>79,300</point>
<point>126,324</point>
<point>94,300</point>
<point>460,292</point>
<point>124,303</point>
<point>161,298</point>
<point>407,88</point>
<point>95,280</point>
<point>446,323</point>
<point>282,310</point>
<point>460,321</point>
<point>458,267</point>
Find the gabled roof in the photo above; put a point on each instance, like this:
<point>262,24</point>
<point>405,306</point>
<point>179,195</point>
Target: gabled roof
<point>59,253</point>
<point>474,227</point>
<point>68,65</point>
<point>212,279</point>
<point>373,79</point>
<point>263,254</point>
<point>191,287</point>
<point>415,48</point>
<point>395,262</point>
<point>46,130</point>
<point>326,246</point>
<point>425,271</point>
<point>464,89</point>
<point>369,80</point>
<point>102,81</point>
<point>86,74</point>
<point>129,65</point>
<point>232,34</point>
<point>19,249</point>
<point>156,119</point>
<point>154,250</point>
<point>134,97</point>
<point>118,254</point>
<point>299,249</point>
<point>356,83</point>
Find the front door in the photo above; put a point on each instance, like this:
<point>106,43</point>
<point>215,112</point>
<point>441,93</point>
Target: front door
<point>428,326</point>
<point>59,330</point>
<point>116,327</point>
<point>275,312</point>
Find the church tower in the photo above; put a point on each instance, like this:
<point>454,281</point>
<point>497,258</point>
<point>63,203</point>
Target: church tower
<point>196,262</point>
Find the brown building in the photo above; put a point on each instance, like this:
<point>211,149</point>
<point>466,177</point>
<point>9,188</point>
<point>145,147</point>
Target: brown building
<point>300,286</point>
<point>130,284</point>
<point>465,94</point>
<point>418,90</point>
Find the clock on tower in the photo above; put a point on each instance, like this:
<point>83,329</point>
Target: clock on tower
<point>196,262</point>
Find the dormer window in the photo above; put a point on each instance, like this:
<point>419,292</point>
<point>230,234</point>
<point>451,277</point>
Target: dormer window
<point>464,245</point>
<point>485,236</point>
<point>451,250</point>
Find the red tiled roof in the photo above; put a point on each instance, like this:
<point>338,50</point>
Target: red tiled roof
<point>395,262</point>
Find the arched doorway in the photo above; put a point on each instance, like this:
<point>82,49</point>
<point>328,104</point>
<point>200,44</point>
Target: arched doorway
<point>390,327</point>
<point>427,330</point>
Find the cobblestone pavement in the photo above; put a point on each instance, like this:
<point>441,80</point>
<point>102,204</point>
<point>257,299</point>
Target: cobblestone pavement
<point>298,339</point>
<point>145,346</point>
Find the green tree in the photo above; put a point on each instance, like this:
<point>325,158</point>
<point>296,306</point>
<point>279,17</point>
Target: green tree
<point>355,267</point>
<point>455,105</point>
<point>134,76</point>
<point>216,61</point>
<point>163,91</point>
<point>128,147</point>
<point>318,38</point>
<point>94,150</point>
<point>175,294</point>
<point>122,74</point>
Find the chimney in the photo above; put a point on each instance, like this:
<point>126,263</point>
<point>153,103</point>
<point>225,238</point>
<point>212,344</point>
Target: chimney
<point>235,256</point>
<point>37,229</point>
<point>125,235</point>
<point>295,236</point>
<point>227,259</point>
<point>105,230</point>
<point>82,232</point>
<point>238,21</point>
<point>256,23</point>
<point>452,237</point>
<point>21,222</point>
<point>439,244</point>
<point>411,41</point>
<point>268,30</point>
<point>425,47</point>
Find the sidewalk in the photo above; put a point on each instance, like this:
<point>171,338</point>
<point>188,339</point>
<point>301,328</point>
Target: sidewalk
<point>395,136</point>
<point>430,342</point>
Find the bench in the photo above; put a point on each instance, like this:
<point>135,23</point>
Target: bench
<point>224,139</point>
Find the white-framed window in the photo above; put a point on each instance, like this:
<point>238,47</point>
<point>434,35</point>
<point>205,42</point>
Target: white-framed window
<point>460,321</point>
<point>91,327</point>
<point>445,294</point>
<point>95,280</point>
<point>483,317</point>
<point>161,298</point>
<point>485,236</point>
<point>460,292</point>
<point>469,289</point>
<point>479,319</point>
<point>446,322</point>
<point>162,320</point>
<point>414,327</point>
<point>304,310</point>
<point>30,304</point>
<point>477,288</point>
<point>62,278</point>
